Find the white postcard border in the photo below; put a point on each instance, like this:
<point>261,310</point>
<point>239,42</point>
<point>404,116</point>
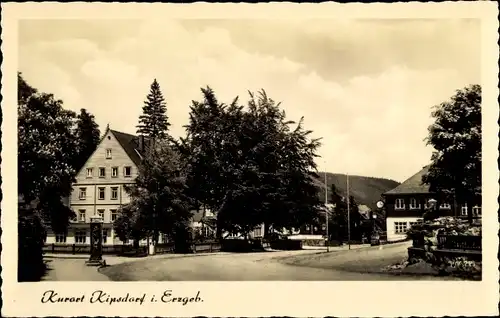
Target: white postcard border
<point>363,299</point>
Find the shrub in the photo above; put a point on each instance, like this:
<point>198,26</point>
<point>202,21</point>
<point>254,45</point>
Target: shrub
<point>236,246</point>
<point>286,244</point>
<point>183,239</point>
<point>425,236</point>
<point>31,266</point>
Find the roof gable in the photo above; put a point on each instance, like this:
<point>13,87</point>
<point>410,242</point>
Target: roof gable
<point>131,145</point>
<point>412,185</point>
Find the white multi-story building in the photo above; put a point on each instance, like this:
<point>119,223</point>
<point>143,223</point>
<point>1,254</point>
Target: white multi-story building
<point>99,187</point>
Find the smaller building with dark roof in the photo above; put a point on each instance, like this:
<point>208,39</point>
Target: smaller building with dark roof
<point>407,203</point>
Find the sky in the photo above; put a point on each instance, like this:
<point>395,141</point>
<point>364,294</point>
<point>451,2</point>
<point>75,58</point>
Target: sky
<point>366,87</point>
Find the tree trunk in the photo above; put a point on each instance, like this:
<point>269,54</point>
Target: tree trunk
<point>218,220</point>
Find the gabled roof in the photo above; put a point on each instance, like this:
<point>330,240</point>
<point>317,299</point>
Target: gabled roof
<point>412,185</point>
<point>130,144</point>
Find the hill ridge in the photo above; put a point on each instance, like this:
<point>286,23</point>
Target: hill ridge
<point>365,190</point>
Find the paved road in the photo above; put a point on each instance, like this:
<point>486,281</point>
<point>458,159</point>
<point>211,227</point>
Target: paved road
<point>267,266</point>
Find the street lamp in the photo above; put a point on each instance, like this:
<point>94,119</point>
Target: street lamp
<point>375,237</point>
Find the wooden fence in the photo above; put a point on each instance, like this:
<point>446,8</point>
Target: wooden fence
<point>459,242</point>
<point>450,246</point>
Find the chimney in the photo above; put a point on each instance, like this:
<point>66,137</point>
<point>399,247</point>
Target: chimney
<point>141,143</point>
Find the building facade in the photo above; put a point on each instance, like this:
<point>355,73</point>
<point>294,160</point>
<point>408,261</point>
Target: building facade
<point>100,187</point>
<point>406,204</point>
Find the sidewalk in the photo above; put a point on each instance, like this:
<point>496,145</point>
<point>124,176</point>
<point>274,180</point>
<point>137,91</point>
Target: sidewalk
<point>336,248</point>
<point>69,267</point>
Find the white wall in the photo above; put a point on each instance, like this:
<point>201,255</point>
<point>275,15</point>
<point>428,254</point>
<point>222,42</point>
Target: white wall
<point>391,227</point>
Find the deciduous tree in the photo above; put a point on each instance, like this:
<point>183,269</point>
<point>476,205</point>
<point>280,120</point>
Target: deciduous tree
<point>159,197</point>
<point>455,170</point>
<point>87,137</point>
<point>248,165</point>
<point>46,152</point>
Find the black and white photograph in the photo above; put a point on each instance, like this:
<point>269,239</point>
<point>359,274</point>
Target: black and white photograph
<point>255,149</point>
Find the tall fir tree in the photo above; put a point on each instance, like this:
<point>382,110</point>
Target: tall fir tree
<point>153,123</point>
<point>87,134</point>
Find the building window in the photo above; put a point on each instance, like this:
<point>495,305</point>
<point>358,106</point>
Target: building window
<point>400,227</point>
<point>463,210</point>
<point>104,236</point>
<point>90,172</point>
<point>414,223</point>
<point>100,213</point>
<point>82,194</point>
<point>114,215</point>
<point>81,216</point>
<point>60,238</point>
<point>114,172</point>
<point>101,194</point>
<point>127,171</point>
<point>400,204</point>
<point>476,211</point>
<point>102,172</point>
<point>114,193</point>
<point>427,205</point>
<point>80,237</point>
<point>414,204</point>
<point>445,206</point>
<point>108,153</point>
<point>257,232</point>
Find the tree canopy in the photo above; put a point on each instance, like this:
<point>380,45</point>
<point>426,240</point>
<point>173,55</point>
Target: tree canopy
<point>87,137</point>
<point>455,169</point>
<point>47,148</point>
<point>46,153</point>
<point>159,197</point>
<point>248,165</point>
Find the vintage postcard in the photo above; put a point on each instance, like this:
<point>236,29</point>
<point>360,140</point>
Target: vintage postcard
<point>252,160</point>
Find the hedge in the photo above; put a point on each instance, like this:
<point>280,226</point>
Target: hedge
<point>287,245</point>
<point>241,246</point>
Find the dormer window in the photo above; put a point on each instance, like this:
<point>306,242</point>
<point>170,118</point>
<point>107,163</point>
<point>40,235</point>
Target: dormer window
<point>108,153</point>
<point>400,204</point>
<point>414,204</point>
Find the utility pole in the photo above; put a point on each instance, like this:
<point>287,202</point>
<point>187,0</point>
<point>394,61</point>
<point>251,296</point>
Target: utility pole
<point>326,213</point>
<point>348,214</point>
